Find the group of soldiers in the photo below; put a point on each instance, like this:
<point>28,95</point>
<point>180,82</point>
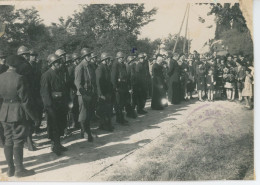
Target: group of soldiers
<point>77,89</point>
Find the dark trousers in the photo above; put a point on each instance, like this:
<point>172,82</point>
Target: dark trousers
<point>56,120</point>
<point>139,97</point>
<point>121,99</point>
<point>176,92</point>
<point>86,107</point>
<point>15,135</point>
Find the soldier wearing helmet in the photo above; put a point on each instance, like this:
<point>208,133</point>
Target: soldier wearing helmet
<point>141,83</point>
<point>86,91</point>
<point>119,82</point>
<point>104,92</point>
<point>53,93</point>
<point>27,69</point>
<point>24,52</point>
<point>64,74</point>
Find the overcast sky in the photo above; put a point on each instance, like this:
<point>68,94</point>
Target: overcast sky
<point>167,20</point>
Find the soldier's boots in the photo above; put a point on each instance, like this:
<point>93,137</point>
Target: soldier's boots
<point>30,144</point>
<point>131,114</point>
<point>121,120</point>
<point>105,124</point>
<point>55,148</point>
<point>85,128</point>
<point>141,111</point>
<point>20,171</point>
<point>8,150</point>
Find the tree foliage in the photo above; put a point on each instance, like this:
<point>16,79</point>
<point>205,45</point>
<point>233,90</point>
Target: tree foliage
<point>102,27</point>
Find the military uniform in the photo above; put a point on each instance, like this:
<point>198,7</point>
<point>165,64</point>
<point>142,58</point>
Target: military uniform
<point>16,108</point>
<point>86,87</point>
<point>104,93</point>
<point>120,86</point>
<point>55,100</point>
<point>27,70</point>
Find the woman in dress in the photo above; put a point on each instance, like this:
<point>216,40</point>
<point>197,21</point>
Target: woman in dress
<point>247,91</point>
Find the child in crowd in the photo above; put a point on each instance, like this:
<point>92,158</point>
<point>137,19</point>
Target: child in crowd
<point>211,82</point>
<point>247,91</point>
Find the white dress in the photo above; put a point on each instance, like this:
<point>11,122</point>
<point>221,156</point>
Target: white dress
<point>248,87</point>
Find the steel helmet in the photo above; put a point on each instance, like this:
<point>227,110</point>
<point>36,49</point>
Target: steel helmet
<point>2,54</point>
<point>60,52</point>
<point>68,57</point>
<point>120,55</point>
<point>130,59</point>
<point>75,56</point>
<point>93,55</point>
<point>104,56</point>
<point>85,52</point>
<point>53,58</point>
<point>141,55</point>
<point>23,50</point>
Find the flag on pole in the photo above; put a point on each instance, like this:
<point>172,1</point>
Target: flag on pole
<point>2,29</point>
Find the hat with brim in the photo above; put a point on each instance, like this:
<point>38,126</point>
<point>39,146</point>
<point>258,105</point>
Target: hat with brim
<point>14,60</point>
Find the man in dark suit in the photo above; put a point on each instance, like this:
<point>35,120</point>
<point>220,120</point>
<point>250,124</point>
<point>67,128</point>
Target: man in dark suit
<point>16,107</point>
<point>141,83</point>
<point>104,93</point>
<point>174,80</point>
<point>53,92</point>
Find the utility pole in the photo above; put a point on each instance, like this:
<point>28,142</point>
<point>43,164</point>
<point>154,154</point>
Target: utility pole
<point>187,22</point>
<point>180,29</point>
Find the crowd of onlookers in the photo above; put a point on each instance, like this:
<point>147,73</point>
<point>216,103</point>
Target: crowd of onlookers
<point>229,77</point>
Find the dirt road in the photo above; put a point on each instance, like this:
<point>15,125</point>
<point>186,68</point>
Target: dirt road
<point>193,126</point>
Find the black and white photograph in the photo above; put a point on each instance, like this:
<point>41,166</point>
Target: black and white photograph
<point>110,91</point>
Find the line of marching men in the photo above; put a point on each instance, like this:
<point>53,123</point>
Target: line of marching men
<point>75,90</point>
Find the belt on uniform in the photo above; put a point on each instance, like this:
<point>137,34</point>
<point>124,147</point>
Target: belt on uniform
<point>11,100</point>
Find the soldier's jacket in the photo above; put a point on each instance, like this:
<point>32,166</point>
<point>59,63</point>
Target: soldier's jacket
<point>141,74</point>
<point>85,79</point>
<point>103,82</point>
<point>53,89</point>
<point>17,104</point>
<point>118,74</point>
